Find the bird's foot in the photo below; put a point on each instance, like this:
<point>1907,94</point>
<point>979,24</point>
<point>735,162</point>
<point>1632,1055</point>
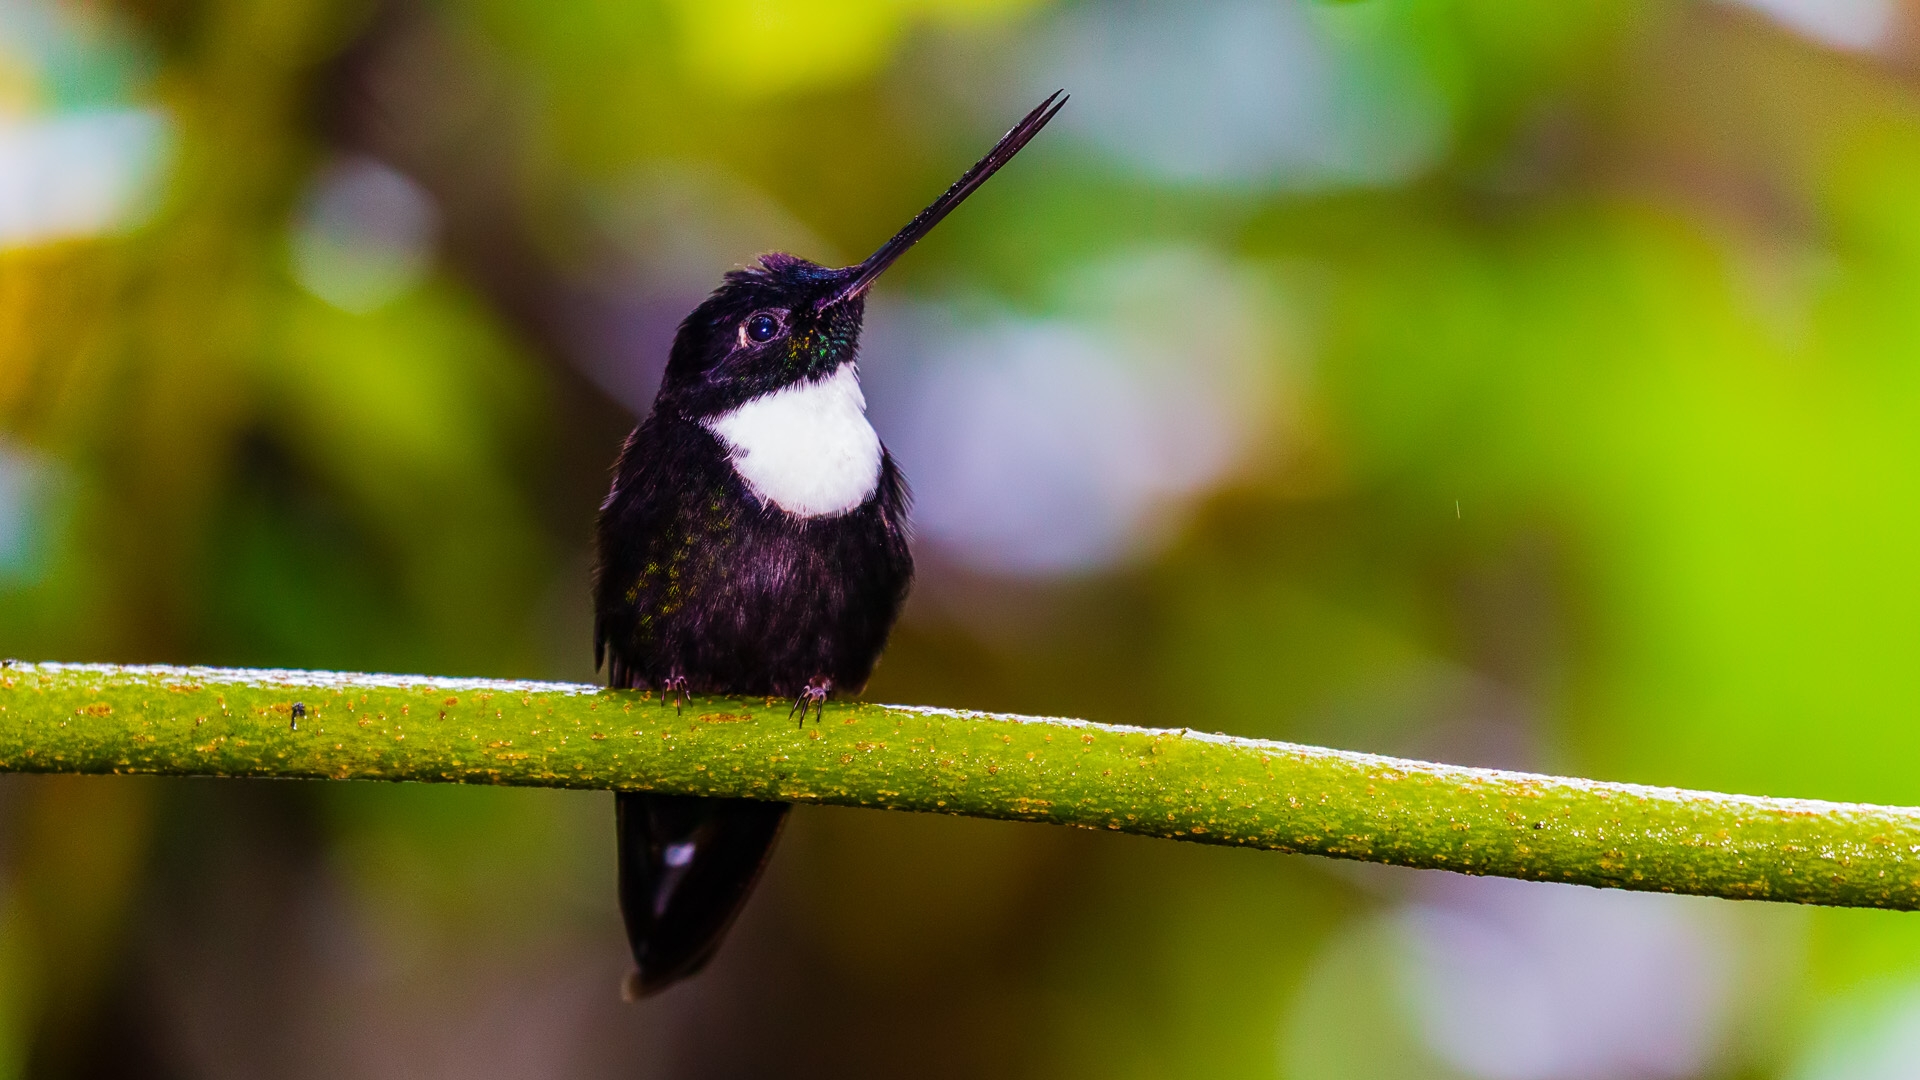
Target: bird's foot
<point>814,696</point>
<point>674,687</point>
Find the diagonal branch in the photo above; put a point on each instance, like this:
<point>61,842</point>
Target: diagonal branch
<point>1178,784</point>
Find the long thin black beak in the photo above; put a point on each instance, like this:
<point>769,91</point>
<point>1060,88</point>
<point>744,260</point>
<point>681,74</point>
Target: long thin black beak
<point>864,274</point>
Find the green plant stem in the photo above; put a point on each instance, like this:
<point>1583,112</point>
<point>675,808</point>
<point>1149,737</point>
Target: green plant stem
<point>1179,784</point>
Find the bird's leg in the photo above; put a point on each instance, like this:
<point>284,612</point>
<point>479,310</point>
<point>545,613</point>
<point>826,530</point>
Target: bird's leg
<point>814,696</point>
<point>675,686</point>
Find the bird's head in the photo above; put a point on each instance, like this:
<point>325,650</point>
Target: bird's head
<point>788,320</point>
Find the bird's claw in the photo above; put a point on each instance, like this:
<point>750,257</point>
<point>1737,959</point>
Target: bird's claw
<point>814,696</point>
<point>674,687</point>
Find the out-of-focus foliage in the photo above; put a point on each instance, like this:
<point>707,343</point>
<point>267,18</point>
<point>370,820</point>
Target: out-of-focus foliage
<point>1502,382</point>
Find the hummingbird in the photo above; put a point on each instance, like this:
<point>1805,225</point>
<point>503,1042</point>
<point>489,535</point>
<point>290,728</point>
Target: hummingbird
<point>754,542</point>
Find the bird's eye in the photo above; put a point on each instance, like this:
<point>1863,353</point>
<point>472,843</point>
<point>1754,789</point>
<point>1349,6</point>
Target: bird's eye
<point>762,326</point>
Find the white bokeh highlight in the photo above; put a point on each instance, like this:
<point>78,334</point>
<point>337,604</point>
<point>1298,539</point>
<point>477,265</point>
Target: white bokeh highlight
<point>1851,25</point>
<point>1242,93</point>
<point>1066,443</point>
<point>1514,980</point>
<point>69,175</point>
<point>364,236</point>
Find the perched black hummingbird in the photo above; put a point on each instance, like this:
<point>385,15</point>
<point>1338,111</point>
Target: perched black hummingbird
<point>754,542</point>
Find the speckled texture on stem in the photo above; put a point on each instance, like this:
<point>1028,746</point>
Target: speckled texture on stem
<point>1178,784</point>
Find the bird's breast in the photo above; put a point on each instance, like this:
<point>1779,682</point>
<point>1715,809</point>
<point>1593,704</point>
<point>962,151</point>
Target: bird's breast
<point>806,448</point>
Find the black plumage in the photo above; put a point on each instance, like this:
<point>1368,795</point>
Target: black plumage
<point>710,582</point>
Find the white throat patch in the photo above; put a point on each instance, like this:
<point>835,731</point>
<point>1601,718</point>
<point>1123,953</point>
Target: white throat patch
<point>806,448</point>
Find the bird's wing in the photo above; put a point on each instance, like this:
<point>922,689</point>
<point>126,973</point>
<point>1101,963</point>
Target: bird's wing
<point>664,522</point>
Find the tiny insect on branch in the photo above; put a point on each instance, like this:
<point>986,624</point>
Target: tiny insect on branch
<point>1178,784</point>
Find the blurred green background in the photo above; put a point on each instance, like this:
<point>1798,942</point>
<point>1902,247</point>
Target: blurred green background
<point>1502,382</point>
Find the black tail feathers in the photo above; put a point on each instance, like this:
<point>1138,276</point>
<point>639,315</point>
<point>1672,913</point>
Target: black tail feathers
<point>687,866</point>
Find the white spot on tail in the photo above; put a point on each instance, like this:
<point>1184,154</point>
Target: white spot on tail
<point>806,448</point>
